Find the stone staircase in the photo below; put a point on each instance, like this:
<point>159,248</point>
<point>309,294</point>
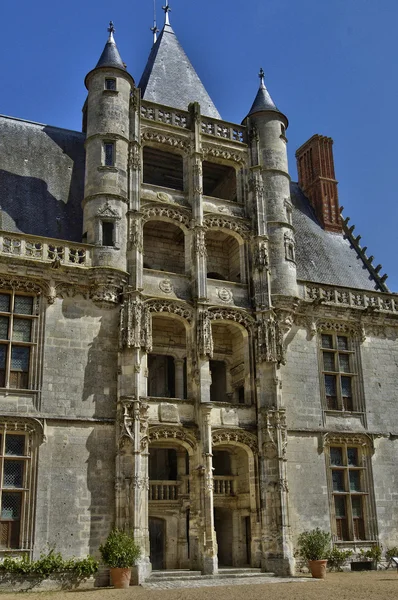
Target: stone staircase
<point>186,578</point>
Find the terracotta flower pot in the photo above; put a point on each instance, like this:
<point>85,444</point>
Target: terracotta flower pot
<point>318,568</point>
<point>120,577</point>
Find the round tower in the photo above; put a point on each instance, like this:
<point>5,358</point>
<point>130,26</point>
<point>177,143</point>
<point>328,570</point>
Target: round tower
<point>267,126</point>
<point>107,144</point>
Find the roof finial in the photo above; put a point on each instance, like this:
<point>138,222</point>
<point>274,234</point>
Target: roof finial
<point>261,75</point>
<point>111,30</point>
<point>154,29</point>
<point>167,9</point>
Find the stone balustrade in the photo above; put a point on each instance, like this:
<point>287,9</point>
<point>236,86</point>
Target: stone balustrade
<point>350,297</point>
<point>163,490</point>
<point>224,485</point>
<point>180,118</point>
<point>45,250</point>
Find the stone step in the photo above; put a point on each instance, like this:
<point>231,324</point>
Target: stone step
<point>241,570</point>
<point>185,575</point>
<point>173,573</point>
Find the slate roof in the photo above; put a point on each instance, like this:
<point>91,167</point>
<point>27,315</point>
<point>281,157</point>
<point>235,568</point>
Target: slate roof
<point>41,179</point>
<point>110,56</point>
<point>169,77</point>
<point>262,101</point>
<point>322,256</point>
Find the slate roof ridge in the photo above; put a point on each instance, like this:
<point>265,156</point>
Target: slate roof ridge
<point>169,77</point>
<point>19,119</point>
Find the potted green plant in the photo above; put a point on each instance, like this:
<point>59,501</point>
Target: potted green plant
<point>120,553</point>
<point>314,547</point>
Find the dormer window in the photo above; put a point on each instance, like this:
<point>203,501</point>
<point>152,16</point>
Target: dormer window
<point>110,84</point>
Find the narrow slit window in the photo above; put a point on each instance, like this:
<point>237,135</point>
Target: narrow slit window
<point>109,149</point>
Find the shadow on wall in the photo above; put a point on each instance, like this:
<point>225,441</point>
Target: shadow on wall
<point>28,207</point>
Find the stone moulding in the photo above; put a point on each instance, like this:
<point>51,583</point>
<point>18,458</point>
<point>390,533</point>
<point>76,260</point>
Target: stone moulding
<point>242,228</point>
<point>152,212</point>
<point>169,306</point>
<point>168,139</point>
<point>225,436</point>
<point>161,432</point>
<point>231,314</point>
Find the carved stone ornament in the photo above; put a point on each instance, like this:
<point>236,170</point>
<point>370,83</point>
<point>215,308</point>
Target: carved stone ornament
<point>290,252</point>
<point>227,223</point>
<point>197,173</point>
<point>204,334</point>
<point>224,154</point>
<point>231,314</point>
<point>200,241</point>
<point>274,432</point>
<point>135,156</point>
<point>345,327</point>
<point>105,295</point>
<point>260,255</point>
<point>22,285</point>
<point>356,439</point>
<point>106,211</point>
<point>224,294</point>
<point>169,306</point>
<point>36,428</point>
<point>174,141</point>
<point>135,325</point>
<point>271,329</point>
<point>163,432</point>
<point>173,213</point>
<point>166,286</point>
<point>225,436</point>
<point>136,233</point>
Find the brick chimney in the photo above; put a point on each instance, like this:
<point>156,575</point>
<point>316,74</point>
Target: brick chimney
<point>315,168</point>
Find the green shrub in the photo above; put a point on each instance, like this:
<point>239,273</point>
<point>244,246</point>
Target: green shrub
<point>120,549</point>
<point>314,544</point>
<point>50,563</point>
<point>390,552</point>
<point>374,553</point>
<point>336,558</point>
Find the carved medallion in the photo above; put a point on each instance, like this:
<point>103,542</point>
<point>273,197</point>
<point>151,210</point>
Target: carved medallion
<point>224,294</point>
<point>166,286</point>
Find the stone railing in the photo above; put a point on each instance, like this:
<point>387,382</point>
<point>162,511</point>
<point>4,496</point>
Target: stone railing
<point>349,297</point>
<point>163,490</point>
<point>224,485</point>
<point>222,129</point>
<point>182,118</point>
<point>45,250</point>
<point>165,114</point>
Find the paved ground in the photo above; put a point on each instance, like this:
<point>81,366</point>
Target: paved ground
<point>198,583</point>
<point>371,585</point>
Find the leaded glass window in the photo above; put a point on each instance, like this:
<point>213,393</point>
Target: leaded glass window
<point>338,372</point>
<point>17,333</point>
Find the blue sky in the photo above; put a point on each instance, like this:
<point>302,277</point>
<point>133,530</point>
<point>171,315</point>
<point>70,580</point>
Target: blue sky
<point>330,66</point>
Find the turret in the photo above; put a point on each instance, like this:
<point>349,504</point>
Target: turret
<point>267,127</point>
<point>106,185</point>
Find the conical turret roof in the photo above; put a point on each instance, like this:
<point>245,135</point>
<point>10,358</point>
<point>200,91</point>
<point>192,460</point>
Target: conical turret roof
<point>263,100</point>
<point>110,56</point>
<point>169,77</point>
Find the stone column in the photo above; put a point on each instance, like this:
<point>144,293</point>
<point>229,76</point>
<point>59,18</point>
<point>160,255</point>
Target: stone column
<point>179,377</point>
<point>210,559</point>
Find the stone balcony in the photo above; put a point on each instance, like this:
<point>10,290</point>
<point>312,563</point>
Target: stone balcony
<point>227,293</point>
<point>42,250</point>
<point>167,285</point>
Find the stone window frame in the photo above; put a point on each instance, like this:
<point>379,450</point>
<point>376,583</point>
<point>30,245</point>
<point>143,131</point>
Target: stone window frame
<point>11,342</point>
<point>107,81</point>
<point>357,529</point>
<point>106,160</point>
<point>22,539</point>
<point>355,374</point>
<point>107,214</point>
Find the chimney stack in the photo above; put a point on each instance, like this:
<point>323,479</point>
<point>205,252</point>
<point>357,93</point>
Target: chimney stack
<point>315,168</point>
